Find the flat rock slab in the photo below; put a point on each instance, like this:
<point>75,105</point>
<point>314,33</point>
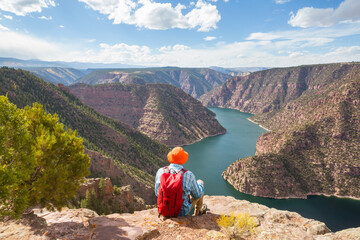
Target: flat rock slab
<point>79,224</point>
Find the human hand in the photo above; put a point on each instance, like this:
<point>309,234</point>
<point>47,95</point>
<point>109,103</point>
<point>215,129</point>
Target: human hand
<point>201,181</point>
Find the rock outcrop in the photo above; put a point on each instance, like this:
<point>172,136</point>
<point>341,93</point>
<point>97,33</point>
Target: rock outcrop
<point>161,111</point>
<point>314,115</point>
<point>194,81</point>
<point>100,195</point>
<point>86,224</point>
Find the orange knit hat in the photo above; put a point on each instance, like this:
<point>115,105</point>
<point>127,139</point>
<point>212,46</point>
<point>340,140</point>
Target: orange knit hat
<point>178,156</point>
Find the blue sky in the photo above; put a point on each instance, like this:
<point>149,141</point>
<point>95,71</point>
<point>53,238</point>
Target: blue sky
<point>199,33</point>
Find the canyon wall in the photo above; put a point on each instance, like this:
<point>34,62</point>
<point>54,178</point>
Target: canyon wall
<point>313,147</point>
<point>161,111</point>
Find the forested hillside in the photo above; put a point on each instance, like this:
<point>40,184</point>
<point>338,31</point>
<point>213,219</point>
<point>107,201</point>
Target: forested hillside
<point>57,75</point>
<point>134,153</point>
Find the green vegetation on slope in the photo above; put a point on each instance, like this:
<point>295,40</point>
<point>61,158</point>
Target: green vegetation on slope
<point>57,75</point>
<point>139,154</point>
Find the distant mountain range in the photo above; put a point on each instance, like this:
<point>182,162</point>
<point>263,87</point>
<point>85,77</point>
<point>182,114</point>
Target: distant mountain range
<point>34,63</point>
<point>314,114</point>
<point>194,81</point>
<point>239,71</point>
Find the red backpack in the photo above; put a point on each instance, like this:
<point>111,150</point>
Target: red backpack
<point>170,193</point>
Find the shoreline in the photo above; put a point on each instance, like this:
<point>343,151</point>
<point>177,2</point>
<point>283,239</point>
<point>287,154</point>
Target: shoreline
<point>246,119</point>
<point>333,195</point>
<point>258,124</point>
<point>304,197</point>
<point>187,144</point>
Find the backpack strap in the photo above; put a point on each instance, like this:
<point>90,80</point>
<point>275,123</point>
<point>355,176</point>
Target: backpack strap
<point>167,170</point>
<point>182,171</point>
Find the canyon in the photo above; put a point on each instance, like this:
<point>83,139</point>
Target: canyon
<point>313,114</point>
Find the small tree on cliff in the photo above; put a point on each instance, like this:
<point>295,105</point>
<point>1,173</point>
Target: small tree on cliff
<point>40,162</point>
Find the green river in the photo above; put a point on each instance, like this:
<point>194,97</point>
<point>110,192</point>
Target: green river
<point>209,157</point>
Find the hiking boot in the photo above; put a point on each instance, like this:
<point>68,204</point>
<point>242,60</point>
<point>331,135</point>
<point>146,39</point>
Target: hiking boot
<point>203,210</point>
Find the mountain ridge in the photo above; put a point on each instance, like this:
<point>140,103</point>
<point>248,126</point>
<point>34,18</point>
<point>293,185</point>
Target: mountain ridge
<point>57,75</point>
<point>161,111</point>
<point>194,81</point>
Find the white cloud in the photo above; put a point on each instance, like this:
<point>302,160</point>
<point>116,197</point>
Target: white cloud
<point>281,1</point>
<point>209,38</point>
<point>61,26</point>
<point>248,53</point>
<point>23,46</point>
<point>272,49</point>
<point>349,10</point>
<point>204,15</point>
<point>165,48</point>
<point>2,28</point>
<point>8,17</point>
<point>179,47</point>
<point>153,15</point>
<point>118,53</point>
<point>262,36</point>
<point>23,7</point>
<point>46,18</point>
<point>159,16</point>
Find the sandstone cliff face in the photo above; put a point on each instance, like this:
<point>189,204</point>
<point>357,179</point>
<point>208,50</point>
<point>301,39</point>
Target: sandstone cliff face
<point>194,81</point>
<point>85,224</point>
<point>317,153</point>
<point>272,89</point>
<point>313,147</point>
<point>161,111</point>
<point>121,176</point>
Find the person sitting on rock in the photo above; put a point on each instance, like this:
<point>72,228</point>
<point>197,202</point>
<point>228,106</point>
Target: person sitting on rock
<point>192,189</point>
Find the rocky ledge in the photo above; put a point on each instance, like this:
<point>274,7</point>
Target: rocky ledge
<point>86,224</point>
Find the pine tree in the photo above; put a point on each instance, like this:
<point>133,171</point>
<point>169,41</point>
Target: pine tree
<point>17,159</point>
<point>86,202</point>
<point>40,162</point>
<point>102,186</point>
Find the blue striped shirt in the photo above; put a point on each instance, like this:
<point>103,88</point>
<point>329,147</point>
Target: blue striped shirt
<point>190,186</point>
